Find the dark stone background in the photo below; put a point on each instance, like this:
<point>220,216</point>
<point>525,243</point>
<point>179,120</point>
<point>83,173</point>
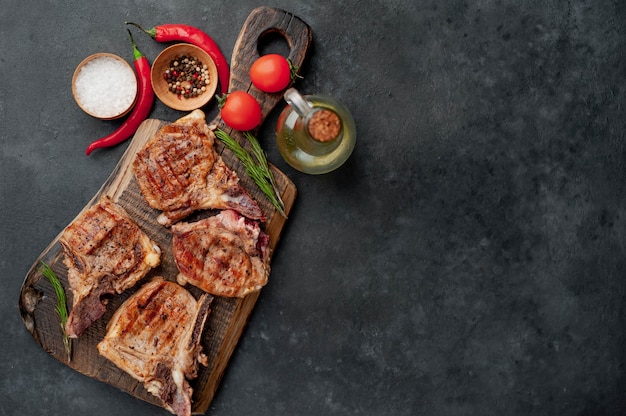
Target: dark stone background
<point>468,259</point>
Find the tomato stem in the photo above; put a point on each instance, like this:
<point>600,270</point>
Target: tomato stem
<point>293,69</point>
<point>221,100</point>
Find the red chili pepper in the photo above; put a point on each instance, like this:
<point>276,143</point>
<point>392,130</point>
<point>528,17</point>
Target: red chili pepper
<point>195,36</point>
<point>145,99</point>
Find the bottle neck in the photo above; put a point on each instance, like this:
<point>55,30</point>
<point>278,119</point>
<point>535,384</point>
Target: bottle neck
<point>298,102</point>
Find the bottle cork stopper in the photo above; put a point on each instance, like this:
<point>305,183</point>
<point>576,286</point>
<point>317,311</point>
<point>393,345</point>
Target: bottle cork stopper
<point>324,125</point>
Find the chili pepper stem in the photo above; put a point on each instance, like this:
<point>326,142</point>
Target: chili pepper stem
<point>136,53</point>
<point>151,32</point>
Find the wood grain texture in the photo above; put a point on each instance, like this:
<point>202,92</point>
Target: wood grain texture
<point>228,316</point>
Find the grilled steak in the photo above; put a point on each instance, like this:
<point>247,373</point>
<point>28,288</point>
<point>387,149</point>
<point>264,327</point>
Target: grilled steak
<point>105,253</point>
<point>179,172</point>
<point>155,336</point>
<point>225,255</point>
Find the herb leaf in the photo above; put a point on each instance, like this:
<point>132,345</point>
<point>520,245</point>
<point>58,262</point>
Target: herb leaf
<point>61,306</point>
<point>257,168</point>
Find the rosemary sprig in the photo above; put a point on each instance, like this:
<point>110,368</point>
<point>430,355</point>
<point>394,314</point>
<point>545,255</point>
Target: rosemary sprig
<point>259,154</point>
<point>257,168</point>
<point>61,306</point>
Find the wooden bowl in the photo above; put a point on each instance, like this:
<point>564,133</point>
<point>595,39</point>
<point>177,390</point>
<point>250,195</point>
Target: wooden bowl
<point>96,86</point>
<point>160,84</point>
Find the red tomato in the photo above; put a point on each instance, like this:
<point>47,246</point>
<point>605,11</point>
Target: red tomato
<point>241,111</point>
<point>271,73</point>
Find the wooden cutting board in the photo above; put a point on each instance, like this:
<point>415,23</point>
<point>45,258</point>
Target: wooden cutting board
<point>228,316</point>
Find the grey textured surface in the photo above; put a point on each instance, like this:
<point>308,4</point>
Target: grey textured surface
<point>468,259</point>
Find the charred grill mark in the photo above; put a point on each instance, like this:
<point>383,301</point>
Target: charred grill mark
<point>143,310</point>
<point>168,329</point>
<point>135,260</point>
<point>87,234</point>
<point>148,298</point>
<point>73,259</point>
<point>166,317</point>
<point>187,260</point>
<point>151,165</point>
<point>165,179</point>
<point>175,157</point>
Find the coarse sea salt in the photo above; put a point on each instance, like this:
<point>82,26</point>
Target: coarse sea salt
<point>105,87</point>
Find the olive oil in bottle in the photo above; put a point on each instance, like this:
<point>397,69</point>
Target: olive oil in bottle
<point>315,134</point>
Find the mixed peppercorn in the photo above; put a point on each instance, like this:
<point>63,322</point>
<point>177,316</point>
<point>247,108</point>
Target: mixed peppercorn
<point>186,76</point>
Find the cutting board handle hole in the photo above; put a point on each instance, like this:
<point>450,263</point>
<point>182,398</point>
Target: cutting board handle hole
<point>273,41</point>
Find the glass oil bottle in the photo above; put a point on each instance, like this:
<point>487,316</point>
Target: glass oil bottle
<point>315,134</point>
